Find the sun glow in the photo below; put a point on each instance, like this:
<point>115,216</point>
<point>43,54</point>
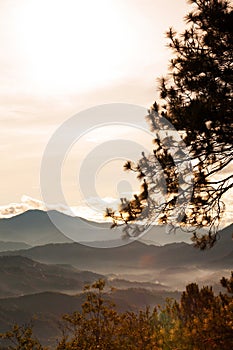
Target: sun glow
<point>73,45</point>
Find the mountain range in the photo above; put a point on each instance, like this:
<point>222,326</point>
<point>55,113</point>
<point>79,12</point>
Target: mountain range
<point>43,271</point>
<point>136,255</point>
<point>34,228</point>
<point>174,264</point>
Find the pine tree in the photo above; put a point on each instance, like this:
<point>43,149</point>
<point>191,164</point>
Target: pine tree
<point>196,98</point>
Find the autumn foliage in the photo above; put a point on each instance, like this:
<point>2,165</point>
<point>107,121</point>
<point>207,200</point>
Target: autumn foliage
<point>201,320</point>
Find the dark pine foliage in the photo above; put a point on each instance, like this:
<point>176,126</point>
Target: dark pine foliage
<point>196,98</point>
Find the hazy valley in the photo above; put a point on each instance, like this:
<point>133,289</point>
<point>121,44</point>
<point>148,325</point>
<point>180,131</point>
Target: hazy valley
<point>43,272</point>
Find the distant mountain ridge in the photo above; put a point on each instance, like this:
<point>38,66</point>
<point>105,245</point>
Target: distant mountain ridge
<point>135,255</point>
<point>34,228</point>
<point>4,246</point>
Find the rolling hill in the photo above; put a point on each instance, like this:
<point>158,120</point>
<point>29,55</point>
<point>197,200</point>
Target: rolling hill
<point>20,275</point>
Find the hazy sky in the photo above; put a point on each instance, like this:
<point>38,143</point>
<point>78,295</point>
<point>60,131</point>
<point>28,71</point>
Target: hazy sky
<point>61,57</point>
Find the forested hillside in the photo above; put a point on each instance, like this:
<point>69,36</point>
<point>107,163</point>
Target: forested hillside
<point>199,320</point>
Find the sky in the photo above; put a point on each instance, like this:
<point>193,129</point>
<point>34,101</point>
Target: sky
<point>59,58</point>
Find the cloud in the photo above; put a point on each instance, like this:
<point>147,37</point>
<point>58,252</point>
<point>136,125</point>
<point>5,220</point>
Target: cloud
<point>91,213</point>
<point>14,209</point>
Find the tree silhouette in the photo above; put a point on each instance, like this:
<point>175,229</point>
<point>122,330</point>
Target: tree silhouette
<point>196,98</point>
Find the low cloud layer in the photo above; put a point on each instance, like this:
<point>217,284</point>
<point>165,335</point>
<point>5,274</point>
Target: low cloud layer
<point>29,203</point>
